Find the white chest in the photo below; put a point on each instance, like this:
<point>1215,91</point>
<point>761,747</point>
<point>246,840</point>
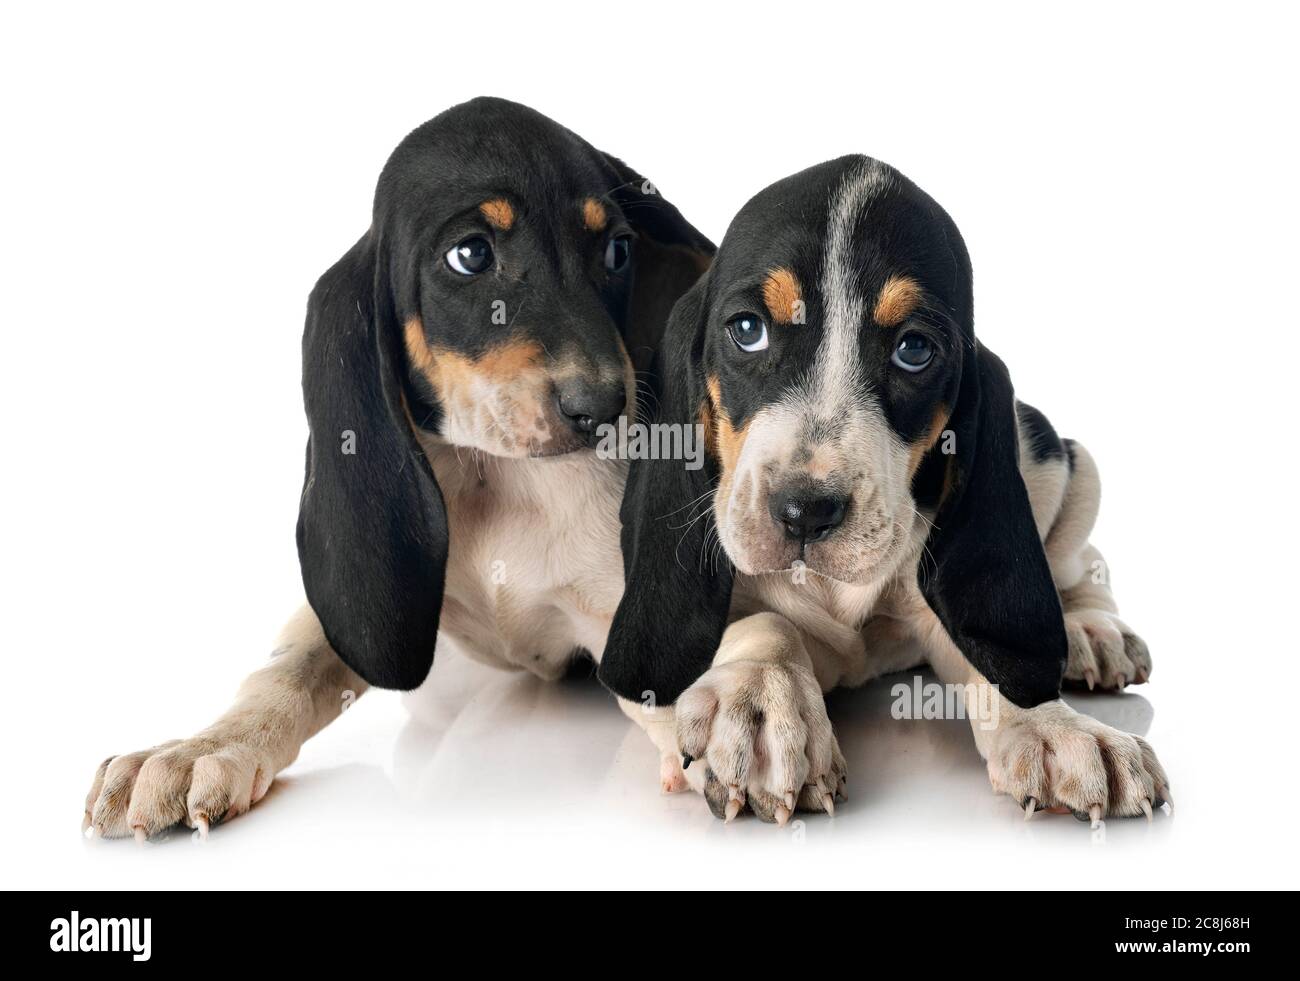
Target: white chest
<point>534,570</point>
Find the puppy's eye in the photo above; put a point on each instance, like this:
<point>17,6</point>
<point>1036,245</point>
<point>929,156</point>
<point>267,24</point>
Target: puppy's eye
<point>470,257</point>
<point>913,353</point>
<point>618,252</point>
<point>748,331</point>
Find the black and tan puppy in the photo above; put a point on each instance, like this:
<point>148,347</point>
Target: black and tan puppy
<point>875,499</point>
<point>458,362</point>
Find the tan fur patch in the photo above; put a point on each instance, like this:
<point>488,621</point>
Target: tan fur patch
<point>783,296</point>
<point>451,374</point>
<point>949,480</point>
<point>728,440</point>
<point>899,297</point>
<point>630,407</point>
<point>499,213</point>
<point>705,418</point>
<point>927,443</point>
<point>417,348</point>
<point>594,217</point>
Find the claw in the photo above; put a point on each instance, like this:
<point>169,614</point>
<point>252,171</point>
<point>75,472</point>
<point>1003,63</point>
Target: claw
<point>1121,681</point>
<point>827,798</point>
<point>85,823</point>
<point>789,800</point>
<point>1091,679</point>
<point>826,794</point>
<point>735,801</point>
<point>1146,808</point>
<point>201,825</point>
<point>687,760</point>
<point>1168,799</point>
<point>1094,816</point>
<point>782,814</point>
<point>1030,806</point>
<point>140,836</point>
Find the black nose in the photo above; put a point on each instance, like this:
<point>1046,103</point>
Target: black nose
<point>805,516</point>
<point>588,406</point>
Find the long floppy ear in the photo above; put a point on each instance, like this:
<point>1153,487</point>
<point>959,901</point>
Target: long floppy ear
<point>986,576</point>
<point>671,254</point>
<point>676,594</point>
<point>372,530</point>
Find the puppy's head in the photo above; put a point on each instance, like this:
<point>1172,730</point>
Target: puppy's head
<point>512,247</point>
<point>851,417</point>
<point>831,367</point>
<point>511,280</point>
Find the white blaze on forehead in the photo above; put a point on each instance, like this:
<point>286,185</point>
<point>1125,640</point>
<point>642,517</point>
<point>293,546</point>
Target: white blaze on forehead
<point>836,372</point>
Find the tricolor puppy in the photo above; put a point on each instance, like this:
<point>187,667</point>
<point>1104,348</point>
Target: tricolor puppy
<point>874,498</point>
<point>458,363</point>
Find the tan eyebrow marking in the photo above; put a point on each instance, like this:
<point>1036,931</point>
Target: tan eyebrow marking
<point>499,213</point>
<point>899,297</point>
<point>783,296</point>
<point>593,215</point>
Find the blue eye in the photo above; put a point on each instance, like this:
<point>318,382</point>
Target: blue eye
<point>618,252</point>
<point>748,331</point>
<point>913,353</point>
<point>470,257</point>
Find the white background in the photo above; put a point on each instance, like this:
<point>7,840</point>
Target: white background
<point>172,185</point>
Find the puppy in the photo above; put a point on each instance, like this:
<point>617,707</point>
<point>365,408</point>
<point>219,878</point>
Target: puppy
<point>459,362</point>
<point>874,499</point>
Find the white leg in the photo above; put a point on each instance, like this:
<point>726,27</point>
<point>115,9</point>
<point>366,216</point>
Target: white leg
<point>660,724</point>
<point>225,769</point>
<point>1104,652</point>
<point>755,726</point>
<point>1051,755</point>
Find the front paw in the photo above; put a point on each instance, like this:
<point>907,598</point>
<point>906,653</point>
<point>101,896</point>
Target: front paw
<point>758,735</point>
<point>1055,757</point>
<point>196,782</point>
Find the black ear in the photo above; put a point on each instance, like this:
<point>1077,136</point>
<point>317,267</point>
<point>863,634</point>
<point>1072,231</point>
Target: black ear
<point>372,530</point>
<point>986,576</point>
<point>670,256</point>
<point>676,592</point>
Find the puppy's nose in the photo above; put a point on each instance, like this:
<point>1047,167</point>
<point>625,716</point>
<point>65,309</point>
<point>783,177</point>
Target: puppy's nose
<point>806,517</point>
<point>588,406</point>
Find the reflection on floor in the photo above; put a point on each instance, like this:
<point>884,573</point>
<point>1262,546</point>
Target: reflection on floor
<point>496,779</point>
<point>563,744</point>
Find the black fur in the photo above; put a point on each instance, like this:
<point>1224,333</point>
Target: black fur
<point>985,574</point>
<point>1038,431</point>
<point>676,595</point>
<point>372,528</point>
